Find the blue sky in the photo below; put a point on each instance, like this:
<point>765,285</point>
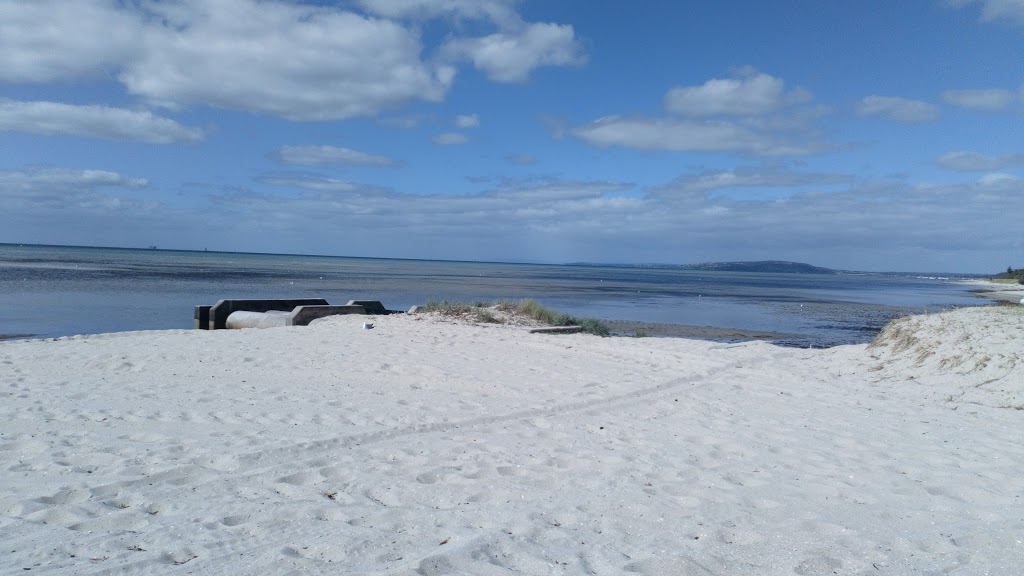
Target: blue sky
<point>871,135</point>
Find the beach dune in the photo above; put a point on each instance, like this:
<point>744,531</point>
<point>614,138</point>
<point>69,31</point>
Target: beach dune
<point>431,446</point>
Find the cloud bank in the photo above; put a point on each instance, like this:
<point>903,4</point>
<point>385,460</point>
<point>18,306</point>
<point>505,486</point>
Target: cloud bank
<point>694,217</point>
<point>54,118</point>
<point>750,114</point>
<point>332,155</point>
<point>974,162</point>
<point>985,100</point>
<point>296,60</point>
<point>898,109</point>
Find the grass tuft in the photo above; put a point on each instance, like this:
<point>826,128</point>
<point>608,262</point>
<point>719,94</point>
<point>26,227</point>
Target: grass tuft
<point>476,311</point>
<point>533,309</point>
<point>480,312</point>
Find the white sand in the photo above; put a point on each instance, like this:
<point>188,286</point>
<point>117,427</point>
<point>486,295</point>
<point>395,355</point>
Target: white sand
<point>428,447</point>
<point>1000,291</point>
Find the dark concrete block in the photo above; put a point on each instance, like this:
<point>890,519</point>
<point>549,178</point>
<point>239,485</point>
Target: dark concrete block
<point>202,317</point>
<point>220,311</point>
<point>371,306</point>
<point>303,315</point>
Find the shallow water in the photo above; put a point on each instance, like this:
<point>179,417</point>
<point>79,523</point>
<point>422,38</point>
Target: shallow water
<point>51,291</point>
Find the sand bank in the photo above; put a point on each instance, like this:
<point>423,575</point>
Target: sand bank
<point>998,291</point>
<point>427,446</point>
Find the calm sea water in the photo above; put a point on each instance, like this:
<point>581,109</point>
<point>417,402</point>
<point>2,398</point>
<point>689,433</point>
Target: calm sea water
<point>49,291</point>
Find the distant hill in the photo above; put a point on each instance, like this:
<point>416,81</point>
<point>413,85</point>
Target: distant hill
<point>766,266</point>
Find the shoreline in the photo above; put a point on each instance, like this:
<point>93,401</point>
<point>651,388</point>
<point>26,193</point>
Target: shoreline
<point>428,445</point>
<point>997,291</point>
<point>630,328</point>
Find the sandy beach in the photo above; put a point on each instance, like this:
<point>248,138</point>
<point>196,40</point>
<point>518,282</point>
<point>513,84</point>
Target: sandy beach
<point>431,446</point>
<point>997,291</point>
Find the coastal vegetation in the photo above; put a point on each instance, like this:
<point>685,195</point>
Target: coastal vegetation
<point>1011,275</point>
<point>506,311</point>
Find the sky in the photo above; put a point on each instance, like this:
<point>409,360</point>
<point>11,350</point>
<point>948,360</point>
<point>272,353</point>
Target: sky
<point>870,135</point>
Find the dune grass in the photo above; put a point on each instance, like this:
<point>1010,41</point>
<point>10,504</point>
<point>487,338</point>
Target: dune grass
<point>476,312</point>
<point>479,312</point>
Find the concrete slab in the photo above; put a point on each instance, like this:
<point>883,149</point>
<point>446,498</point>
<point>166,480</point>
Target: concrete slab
<point>371,306</point>
<point>303,315</point>
<point>557,330</point>
<point>202,317</point>
<point>220,311</point>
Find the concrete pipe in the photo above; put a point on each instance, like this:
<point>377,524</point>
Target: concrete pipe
<point>269,319</point>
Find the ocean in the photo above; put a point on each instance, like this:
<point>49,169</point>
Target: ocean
<point>52,291</point>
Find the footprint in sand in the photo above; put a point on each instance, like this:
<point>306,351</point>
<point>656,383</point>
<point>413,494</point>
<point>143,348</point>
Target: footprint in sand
<point>819,565</point>
<point>234,520</point>
<point>306,478</point>
<point>68,496</point>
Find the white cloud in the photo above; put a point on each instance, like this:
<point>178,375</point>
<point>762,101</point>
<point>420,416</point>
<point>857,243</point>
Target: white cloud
<point>55,205</point>
<point>52,118</point>
<point>64,178</point>
<point>450,138</point>
<point>46,40</point>
<point>755,177</point>
<point>750,93</point>
<point>898,109</point>
<point>987,100</point>
<point>310,183</point>
<point>974,162</point>
<point>752,115</point>
<point>689,136</point>
<point>467,121</point>
<point>510,56</point>
<point>997,10</point>
<point>998,179</point>
<point>324,155</point>
<point>303,61</point>
<point>57,189</point>
<point>291,60</point>
<point>297,61</point>
<point>498,11</point>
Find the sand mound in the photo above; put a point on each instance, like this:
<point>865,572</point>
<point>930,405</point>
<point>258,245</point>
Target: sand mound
<point>972,355</point>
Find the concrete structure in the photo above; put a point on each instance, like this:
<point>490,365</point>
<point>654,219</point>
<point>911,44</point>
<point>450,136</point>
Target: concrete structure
<point>558,330</point>
<point>268,319</point>
<point>220,311</point>
<point>371,306</point>
<point>303,315</point>
<point>202,317</point>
